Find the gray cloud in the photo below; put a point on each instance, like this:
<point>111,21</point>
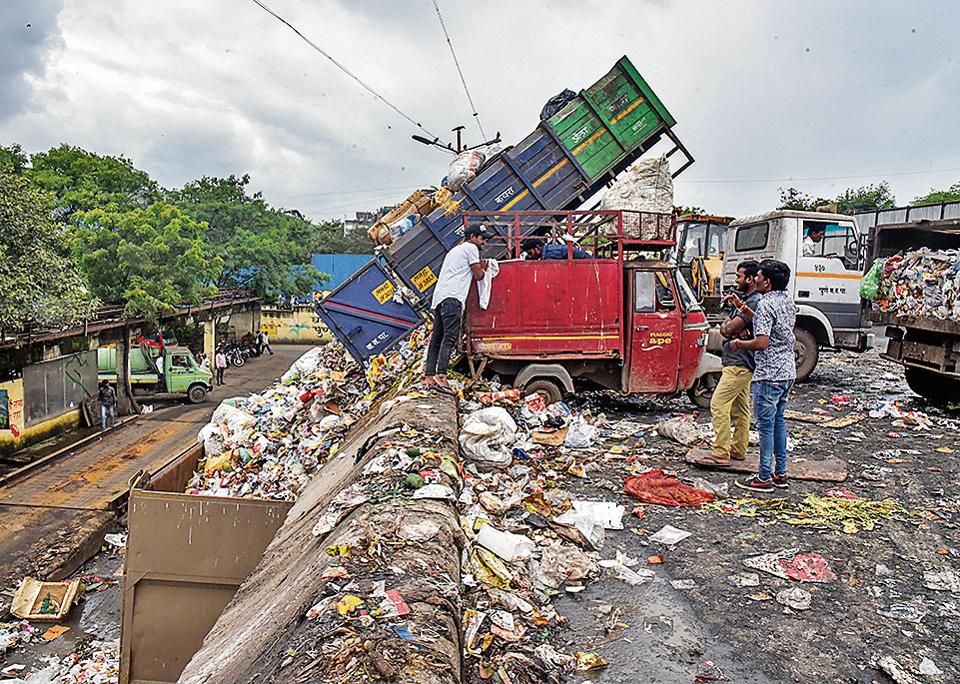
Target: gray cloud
<point>762,91</point>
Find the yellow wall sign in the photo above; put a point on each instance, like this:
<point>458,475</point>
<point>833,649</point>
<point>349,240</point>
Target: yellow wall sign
<point>424,278</point>
<point>384,292</point>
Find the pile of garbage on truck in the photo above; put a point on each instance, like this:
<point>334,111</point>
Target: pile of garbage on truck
<point>270,444</point>
<point>921,283</point>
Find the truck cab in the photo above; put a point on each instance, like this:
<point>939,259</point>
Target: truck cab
<point>825,275</point>
<point>623,320</point>
<point>700,245</point>
<point>181,375</point>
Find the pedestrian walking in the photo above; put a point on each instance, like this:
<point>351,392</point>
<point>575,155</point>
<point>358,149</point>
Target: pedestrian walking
<point>775,372</point>
<point>730,404</point>
<point>107,396</point>
<point>461,266</point>
<point>263,342</point>
<point>220,361</point>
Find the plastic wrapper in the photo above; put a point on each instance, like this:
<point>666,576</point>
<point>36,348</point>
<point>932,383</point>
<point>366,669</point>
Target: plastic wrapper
<point>921,284</point>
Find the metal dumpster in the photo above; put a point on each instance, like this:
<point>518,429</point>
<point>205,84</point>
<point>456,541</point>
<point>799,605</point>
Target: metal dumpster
<point>565,160</point>
<point>365,314</point>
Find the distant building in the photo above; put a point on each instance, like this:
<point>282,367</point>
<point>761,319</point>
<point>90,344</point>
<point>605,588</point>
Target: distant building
<point>363,220</point>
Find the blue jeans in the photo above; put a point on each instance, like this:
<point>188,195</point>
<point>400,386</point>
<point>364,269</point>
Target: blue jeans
<point>769,404</point>
<point>105,413</point>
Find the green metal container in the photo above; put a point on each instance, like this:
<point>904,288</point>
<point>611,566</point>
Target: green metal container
<point>609,119</point>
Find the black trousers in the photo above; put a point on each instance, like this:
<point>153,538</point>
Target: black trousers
<point>446,330</point>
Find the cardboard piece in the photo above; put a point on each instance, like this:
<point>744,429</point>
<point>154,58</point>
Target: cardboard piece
<point>826,470</point>
<point>825,420</point>
<point>44,601</point>
<point>555,438</point>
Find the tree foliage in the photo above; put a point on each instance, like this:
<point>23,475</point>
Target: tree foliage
<point>850,201</point>
<point>13,158</point>
<point>951,194</point>
<point>39,281</point>
<point>82,181</point>
<point>151,259</point>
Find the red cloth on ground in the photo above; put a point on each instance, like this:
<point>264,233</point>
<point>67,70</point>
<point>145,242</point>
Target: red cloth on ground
<point>656,488</point>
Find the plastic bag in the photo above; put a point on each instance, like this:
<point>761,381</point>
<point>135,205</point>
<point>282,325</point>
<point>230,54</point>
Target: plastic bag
<point>464,167</point>
<point>870,283</point>
<point>486,436</point>
<point>580,434</point>
<point>646,186</point>
<point>556,103</point>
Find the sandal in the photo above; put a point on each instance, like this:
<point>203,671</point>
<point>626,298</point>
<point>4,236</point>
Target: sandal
<point>713,461</point>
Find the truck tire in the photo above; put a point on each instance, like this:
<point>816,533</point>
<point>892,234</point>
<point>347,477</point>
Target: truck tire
<point>548,389</point>
<point>932,386</point>
<point>197,394</point>
<point>702,391</point>
<point>807,353</point>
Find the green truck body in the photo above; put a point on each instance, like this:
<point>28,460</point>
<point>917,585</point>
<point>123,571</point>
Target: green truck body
<point>181,374</point>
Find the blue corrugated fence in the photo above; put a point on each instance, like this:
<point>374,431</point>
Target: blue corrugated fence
<point>338,266</point>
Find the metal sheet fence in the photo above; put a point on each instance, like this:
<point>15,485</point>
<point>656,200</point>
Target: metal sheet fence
<point>55,387</point>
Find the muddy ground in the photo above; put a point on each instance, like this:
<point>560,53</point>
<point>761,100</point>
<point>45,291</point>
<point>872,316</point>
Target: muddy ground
<point>744,630</point>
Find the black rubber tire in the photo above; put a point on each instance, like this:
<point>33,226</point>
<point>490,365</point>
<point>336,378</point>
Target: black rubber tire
<point>702,391</point>
<point>197,394</point>
<point>935,388</point>
<point>550,391</point>
<point>238,360</point>
<point>807,353</point>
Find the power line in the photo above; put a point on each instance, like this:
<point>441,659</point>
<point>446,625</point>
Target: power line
<point>819,178</point>
<point>343,68</point>
<point>358,192</point>
<point>456,61</point>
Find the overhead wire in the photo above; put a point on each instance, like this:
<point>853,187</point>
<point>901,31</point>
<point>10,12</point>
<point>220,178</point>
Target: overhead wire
<point>819,178</point>
<point>456,61</point>
<point>344,69</point>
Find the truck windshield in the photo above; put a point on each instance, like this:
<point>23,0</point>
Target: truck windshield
<point>689,299</point>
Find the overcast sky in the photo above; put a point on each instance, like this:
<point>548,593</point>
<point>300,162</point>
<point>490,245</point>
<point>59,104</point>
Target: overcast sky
<point>763,91</point>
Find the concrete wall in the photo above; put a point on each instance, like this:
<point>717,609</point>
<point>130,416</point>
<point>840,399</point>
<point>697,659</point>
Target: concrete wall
<point>298,326</point>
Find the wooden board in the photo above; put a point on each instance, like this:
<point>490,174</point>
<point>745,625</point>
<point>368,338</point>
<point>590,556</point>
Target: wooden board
<point>826,470</point>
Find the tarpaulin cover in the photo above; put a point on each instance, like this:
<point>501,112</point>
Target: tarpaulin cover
<point>665,490</point>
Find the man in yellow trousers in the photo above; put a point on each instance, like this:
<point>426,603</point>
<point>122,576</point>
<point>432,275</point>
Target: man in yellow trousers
<point>730,405</point>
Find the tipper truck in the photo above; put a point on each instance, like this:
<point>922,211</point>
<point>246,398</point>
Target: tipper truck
<point>925,338</point>
<point>567,159</point>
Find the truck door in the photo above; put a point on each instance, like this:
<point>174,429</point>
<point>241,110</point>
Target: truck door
<point>179,371</point>
<point>653,355</point>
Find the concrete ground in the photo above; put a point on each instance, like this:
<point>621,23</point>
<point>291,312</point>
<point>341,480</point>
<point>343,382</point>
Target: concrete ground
<point>53,519</point>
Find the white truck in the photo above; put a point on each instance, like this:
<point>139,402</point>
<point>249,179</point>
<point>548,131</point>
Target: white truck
<point>824,283</point>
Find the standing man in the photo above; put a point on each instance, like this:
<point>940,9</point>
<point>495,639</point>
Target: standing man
<point>731,398</point>
<point>263,341</point>
<point>461,266</point>
<point>108,405</point>
<point>775,373</point>
<point>220,361</point>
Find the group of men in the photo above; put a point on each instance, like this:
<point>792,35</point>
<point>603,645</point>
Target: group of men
<point>759,367</point>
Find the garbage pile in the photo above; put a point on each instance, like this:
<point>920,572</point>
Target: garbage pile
<point>270,444</point>
<point>92,662</point>
<point>921,283</point>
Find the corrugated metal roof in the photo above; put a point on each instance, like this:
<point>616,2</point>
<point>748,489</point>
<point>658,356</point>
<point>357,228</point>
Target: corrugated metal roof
<point>338,266</point>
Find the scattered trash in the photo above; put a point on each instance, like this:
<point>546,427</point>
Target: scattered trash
<point>745,579</point>
<point>845,513</point>
<point>669,535</point>
<point>589,661</point>
<point>44,601</point>
<point>628,575</point>
<point>709,671</point>
<point>794,598</point>
<point>928,668</point>
<point>904,612</point>
<point>55,632</point>
<point>654,487</point>
<point>118,540</point>
<point>788,564</point>
<point>897,673</point>
<point>945,580</point>
<point>684,430</point>
<point>683,584</point>
<point>486,435</point>
<point>508,546</point>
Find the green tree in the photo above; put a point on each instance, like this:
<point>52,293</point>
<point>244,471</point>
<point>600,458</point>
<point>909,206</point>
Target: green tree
<point>793,199</point>
<point>151,259</point>
<point>13,158</point>
<point>951,194</point>
<point>82,181</point>
<point>263,249</point>
<point>866,198</point>
<point>39,281</point>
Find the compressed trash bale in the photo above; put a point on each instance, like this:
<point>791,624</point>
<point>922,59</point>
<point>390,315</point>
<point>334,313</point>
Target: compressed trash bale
<point>313,609</point>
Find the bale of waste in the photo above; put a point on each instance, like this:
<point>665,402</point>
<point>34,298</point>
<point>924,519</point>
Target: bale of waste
<point>362,583</point>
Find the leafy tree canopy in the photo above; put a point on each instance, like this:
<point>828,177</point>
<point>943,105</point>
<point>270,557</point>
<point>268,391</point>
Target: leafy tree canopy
<point>849,201</point>
<point>82,181</point>
<point>152,259</point>
<point>951,194</point>
<point>13,158</point>
<point>39,281</point>
<point>793,199</point>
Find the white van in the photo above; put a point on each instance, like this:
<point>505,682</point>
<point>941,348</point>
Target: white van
<point>824,285</point>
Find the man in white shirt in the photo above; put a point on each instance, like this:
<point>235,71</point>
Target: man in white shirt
<point>461,266</point>
<point>811,243</point>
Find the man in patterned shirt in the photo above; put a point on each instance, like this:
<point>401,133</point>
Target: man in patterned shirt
<point>775,373</point>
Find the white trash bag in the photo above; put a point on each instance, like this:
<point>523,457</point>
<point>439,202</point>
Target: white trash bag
<point>486,436</point>
<point>646,186</point>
